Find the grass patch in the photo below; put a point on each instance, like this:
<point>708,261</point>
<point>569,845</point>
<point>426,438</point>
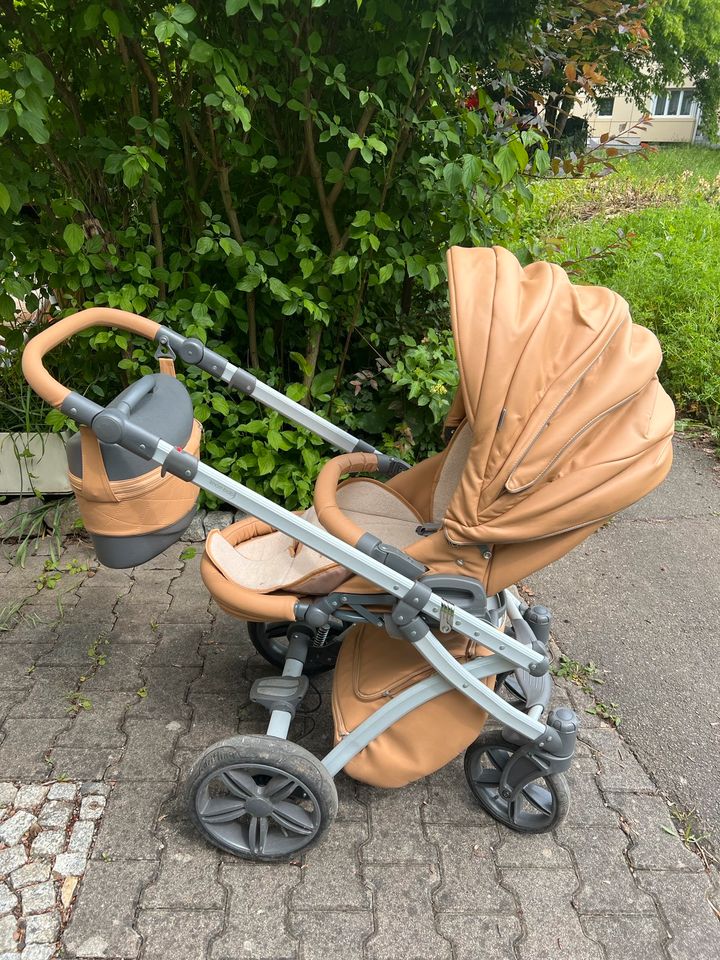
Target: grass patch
<point>665,211</point>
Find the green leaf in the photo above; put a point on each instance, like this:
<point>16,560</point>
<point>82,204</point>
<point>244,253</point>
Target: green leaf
<point>233,6</point>
<point>204,245</point>
<point>74,237</point>
<point>34,125</point>
<point>4,198</point>
<point>452,175</point>
<point>37,69</point>
<point>314,42</point>
<point>385,272</point>
<point>113,22</point>
<point>383,221</point>
<point>201,51</point>
<point>385,66</point>
<point>306,267</point>
<point>457,234</point>
<point>279,289</point>
<point>4,121</point>
<point>323,382</point>
<point>506,162</point>
<point>230,247</point>
<point>472,170</point>
<point>302,363</point>
<point>183,13</point>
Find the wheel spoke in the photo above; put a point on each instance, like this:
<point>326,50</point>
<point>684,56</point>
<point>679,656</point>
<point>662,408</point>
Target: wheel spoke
<point>498,757</point>
<point>540,797</point>
<point>222,809</point>
<point>279,788</point>
<point>257,834</point>
<point>488,776</point>
<point>238,783</point>
<point>513,809</point>
<point>293,818</point>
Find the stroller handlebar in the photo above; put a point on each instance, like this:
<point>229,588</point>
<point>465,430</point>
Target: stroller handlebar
<point>34,371</point>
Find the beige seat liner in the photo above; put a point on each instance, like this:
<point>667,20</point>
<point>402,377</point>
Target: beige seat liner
<point>276,562</point>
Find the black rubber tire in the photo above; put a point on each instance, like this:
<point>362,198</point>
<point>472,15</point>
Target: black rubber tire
<point>553,787</point>
<point>269,639</point>
<point>277,755</point>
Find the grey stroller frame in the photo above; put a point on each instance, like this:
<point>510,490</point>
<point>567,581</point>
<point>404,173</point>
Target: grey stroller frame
<point>534,744</point>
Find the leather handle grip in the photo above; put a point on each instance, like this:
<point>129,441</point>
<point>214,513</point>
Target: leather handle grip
<point>329,513</point>
<point>42,382</point>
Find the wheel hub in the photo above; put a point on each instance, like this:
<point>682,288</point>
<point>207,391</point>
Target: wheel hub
<point>258,807</point>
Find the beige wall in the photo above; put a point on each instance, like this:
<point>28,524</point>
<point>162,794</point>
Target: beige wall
<point>625,114</point>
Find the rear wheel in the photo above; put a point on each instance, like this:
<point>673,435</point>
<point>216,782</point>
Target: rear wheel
<point>271,642</point>
<point>539,806</point>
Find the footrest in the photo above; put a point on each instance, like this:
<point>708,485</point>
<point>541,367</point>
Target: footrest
<point>279,693</point>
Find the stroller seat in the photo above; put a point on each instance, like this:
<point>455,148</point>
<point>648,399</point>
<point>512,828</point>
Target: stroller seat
<point>253,556</point>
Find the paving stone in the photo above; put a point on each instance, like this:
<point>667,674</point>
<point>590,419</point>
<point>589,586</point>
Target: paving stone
<point>178,646</point>
<point>16,661</point>
<point>396,833</point>
<point>29,796</point>
<point>148,754</point>
<point>8,931</point>
<point>403,911</point>
<point>48,843</point>
<point>330,934</point>
<point>619,770</point>
<point>8,792</point>
<point>224,670</point>
<point>38,951</point>
<point>92,807</point>
<point>628,938</point>
<point>607,884</point>
<point>474,937</point>
<point>22,752</point>
<point>532,850</point>
<point>62,791</point>
<point>81,837</point>
<point>77,763</point>
<point>69,865</point>
<point>35,872</point>
<point>180,933</point>
<point>188,875</point>
<point>552,928</point>
<point>254,929</point>
<point>56,813</point>
<point>684,900</point>
<point>449,799</point>
<point>195,533</point>
<point>100,726</point>
<point>49,694</point>
<point>95,930</point>
<point>38,897</point>
<point>96,788</point>
<point>331,878</point>
<point>653,848</point>
<point>11,858</point>
<point>8,900</point>
<point>588,807</point>
<point>214,717</point>
<point>166,692</point>
<point>123,671</point>
<point>466,860</point>
<point>43,928</point>
<point>127,830</point>
<point>16,826</point>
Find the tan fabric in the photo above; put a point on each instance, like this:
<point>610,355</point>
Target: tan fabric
<point>270,560</point>
<point>32,360</point>
<point>143,504</point>
<point>372,668</point>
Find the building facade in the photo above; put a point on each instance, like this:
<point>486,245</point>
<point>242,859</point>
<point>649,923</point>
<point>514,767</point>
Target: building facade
<point>674,116</point>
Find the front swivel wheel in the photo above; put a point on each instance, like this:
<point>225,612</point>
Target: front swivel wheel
<point>260,797</point>
<point>538,807</point>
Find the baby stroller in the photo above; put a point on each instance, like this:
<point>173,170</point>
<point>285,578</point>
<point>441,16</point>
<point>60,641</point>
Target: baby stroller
<point>559,422</point>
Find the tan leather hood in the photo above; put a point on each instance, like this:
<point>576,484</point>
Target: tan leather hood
<point>570,423</point>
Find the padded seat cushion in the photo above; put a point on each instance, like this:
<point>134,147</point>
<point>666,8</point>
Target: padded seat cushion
<point>274,561</point>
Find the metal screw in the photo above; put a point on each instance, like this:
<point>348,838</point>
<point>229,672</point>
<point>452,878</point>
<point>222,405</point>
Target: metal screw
<point>486,554</point>
<point>460,563</point>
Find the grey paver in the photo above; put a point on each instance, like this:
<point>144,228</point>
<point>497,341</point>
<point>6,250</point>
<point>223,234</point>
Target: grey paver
<point>29,796</point>
<point>100,726</point>
<point>26,743</point>
<point>48,843</point>
<point>332,933</point>
<point>8,900</point>
<point>607,884</point>
<point>62,791</point>
<point>396,831</point>
<point>81,837</point>
<point>628,938</point>
<point>11,858</point>
<point>127,830</point>
<point>551,926</point>
<point>8,792</point>
<point>467,863</point>
<point>16,826</point>
<point>405,923</point>
<point>38,951</point>
<point>34,872</point>
<point>182,933</point>
<point>49,694</point>
<point>69,865</point>
<point>43,928</point>
<point>648,818</point>
<point>473,936</point>
<point>541,850</point>
<point>188,875</point>
<point>92,807</point>
<point>683,899</point>
<point>331,878</point>
<point>8,931</point>
<point>166,692</point>
<point>83,763</point>
<point>38,897</point>
<point>96,931</point>
<point>148,754</point>
<point>252,930</point>
<point>55,813</point>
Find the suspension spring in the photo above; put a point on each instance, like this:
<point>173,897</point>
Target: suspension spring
<point>321,635</point>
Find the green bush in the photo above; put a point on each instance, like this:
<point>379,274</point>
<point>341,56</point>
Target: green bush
<point>279,179</point>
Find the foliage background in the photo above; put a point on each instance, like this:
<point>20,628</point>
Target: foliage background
<point>280,178</point>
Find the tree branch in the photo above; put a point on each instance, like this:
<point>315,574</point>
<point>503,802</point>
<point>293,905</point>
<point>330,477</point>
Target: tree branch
<point>352,154</point>
<point>316,173</point>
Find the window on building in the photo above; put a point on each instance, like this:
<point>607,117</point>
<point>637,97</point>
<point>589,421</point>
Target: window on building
<point>605,106</point>
<point>673,103</point>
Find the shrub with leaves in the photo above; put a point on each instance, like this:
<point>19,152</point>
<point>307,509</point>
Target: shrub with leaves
<point>279,178</point>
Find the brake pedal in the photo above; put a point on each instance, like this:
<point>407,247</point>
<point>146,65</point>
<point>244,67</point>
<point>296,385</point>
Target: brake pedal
<point>279,693</point>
